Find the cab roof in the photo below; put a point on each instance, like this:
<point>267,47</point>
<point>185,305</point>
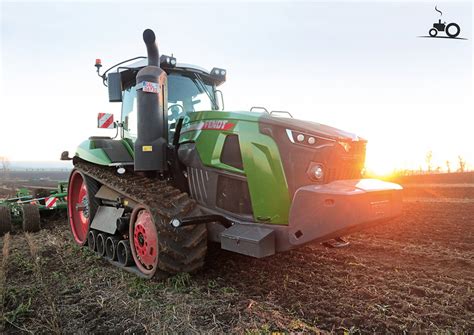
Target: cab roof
<point>129,72</point>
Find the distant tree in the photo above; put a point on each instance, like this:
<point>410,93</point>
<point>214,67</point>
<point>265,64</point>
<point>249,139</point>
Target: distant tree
<point>461,163</point>
<point>4,166</point>
<point>448,166</point>
<point>429,159</point>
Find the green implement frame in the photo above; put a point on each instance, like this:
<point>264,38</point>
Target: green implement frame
<point>27,209</point>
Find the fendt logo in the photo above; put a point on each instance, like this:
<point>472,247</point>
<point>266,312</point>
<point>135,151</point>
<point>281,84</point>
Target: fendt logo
<point>443,30</point>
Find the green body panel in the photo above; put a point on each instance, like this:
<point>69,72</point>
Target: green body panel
<point>128,144</point>
<point>88,152</point>
<point>261,159</point>
<point>260,156</point>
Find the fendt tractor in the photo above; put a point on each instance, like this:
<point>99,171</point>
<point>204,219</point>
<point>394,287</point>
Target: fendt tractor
<point>181,171</point>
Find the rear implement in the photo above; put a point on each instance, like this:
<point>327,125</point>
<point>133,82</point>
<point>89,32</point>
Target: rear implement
<point>27,208</point>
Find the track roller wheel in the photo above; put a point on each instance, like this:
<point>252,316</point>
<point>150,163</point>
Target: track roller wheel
<point>91,240</point>
<point>31,218</point>
<point>100,243</point>
<point>5,220</point>
<point>82,205</point>
<point>111,247</point>
<point>124,254</point>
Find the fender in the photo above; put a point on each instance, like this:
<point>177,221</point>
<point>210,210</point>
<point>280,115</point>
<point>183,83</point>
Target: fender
<point>105,151</point>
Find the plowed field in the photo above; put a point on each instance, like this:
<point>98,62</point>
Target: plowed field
<point>412,274</point>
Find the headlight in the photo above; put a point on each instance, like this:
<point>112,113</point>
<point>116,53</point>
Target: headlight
<point>305,139</point>
<point>315,171</point>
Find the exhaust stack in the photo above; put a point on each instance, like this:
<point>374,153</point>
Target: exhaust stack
<point>152,106</point>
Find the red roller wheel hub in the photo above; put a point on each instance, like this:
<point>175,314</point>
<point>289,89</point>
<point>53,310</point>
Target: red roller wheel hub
<point>78,207</point>
<point>144,240</point>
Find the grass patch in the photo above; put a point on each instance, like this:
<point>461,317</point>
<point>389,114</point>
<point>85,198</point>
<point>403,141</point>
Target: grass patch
<point>140,288</point>
<point>22,264</point>
<point>228,290</point>
<point>19,313</point>
<point>180,282</point>
<point>18,303</point>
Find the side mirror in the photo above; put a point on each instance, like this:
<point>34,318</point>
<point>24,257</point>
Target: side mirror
<point>105,121</point>
<point>114,83</point>
<point>220,99</point>
<point>65,156</point>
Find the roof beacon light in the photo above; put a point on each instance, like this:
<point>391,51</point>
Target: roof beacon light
<point>98,65</point>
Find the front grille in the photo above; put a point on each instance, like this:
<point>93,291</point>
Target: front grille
<point>198,184</point>
<point>339,173</point>
<point>348,165</point>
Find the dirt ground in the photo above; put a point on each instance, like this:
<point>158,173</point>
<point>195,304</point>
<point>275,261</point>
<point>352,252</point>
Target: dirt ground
<point>414,274</point>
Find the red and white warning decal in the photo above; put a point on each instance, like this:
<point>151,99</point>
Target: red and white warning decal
<point>150,87</point>
<point>105,121</point>
<point>210,125</point>
<point>50,202</point>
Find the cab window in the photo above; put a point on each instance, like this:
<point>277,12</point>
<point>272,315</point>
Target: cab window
<point>186,93</point>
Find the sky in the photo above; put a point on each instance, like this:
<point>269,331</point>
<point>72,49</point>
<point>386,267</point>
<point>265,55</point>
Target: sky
<point>358,66</point>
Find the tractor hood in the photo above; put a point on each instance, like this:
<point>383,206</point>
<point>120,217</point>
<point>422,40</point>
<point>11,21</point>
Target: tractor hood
<point>313,128</point>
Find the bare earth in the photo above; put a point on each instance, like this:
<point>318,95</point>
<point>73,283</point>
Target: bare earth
<point>412,274</point>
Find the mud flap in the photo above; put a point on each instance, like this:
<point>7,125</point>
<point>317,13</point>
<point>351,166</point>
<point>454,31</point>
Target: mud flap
<point>322,212</point>
<point>105,220</point>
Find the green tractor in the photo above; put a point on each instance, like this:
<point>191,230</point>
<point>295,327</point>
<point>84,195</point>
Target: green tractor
<point>181,171</point>
<point>26,208</point>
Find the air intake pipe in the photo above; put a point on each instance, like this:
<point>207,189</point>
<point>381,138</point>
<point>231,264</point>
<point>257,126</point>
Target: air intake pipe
<point>152,106</point>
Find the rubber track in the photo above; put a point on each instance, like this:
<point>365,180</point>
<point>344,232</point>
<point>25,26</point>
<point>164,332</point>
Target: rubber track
<point>180,250</point>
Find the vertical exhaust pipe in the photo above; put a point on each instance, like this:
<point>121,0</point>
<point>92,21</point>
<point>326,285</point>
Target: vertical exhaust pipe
<point>152,106</point>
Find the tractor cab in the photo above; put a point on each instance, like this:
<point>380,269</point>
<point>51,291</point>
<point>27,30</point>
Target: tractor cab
<point>190,88</point>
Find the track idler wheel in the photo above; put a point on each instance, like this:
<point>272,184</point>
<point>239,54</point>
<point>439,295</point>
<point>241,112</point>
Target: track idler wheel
<point>100,244</point>
<point>111,248</point>
<point>5,220</point>
<point>144,240</point>
<point>31,218</point>
<point>82,205</point>
<point>124,254</point>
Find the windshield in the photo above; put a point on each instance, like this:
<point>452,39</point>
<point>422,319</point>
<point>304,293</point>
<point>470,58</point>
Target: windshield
<point>186,93</point>
<point>190,93</point>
